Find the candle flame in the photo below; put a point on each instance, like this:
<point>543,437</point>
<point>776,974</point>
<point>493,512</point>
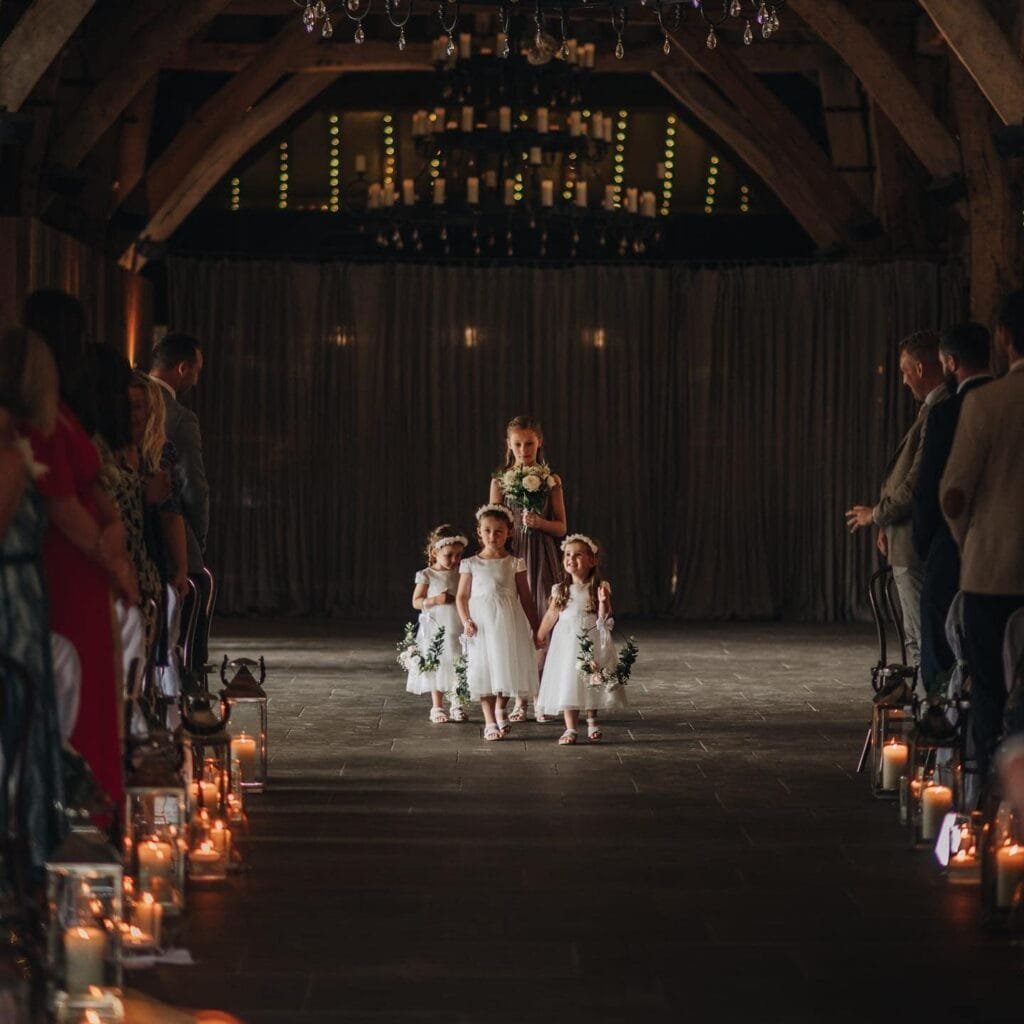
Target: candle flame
<point>92,1017</point>
<point>147,898</point>
<point>83,933</point>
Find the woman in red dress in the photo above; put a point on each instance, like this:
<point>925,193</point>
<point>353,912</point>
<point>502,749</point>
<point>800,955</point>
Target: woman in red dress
<point>83,550</point>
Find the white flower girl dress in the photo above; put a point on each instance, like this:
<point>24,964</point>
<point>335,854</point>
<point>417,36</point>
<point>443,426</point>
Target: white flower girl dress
<point>431,619</point>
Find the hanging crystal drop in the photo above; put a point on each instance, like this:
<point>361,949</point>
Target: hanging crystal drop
<point>696,4</point>
<point>320,9</point>
<point>712,40</point>
<point>327,29</point>
<point>401,38</point>
<point>563,53</point>
<point>620,50</point>
<point>450,48</point>
<point>766,29</point>
<point>667,46</point>
<point>308,18</point>
<point>735,9</point>
<point>748,35</point>
<point>776,24</point>
<point>360,36</point>
<point>505,49</point>
<point>762,13</point>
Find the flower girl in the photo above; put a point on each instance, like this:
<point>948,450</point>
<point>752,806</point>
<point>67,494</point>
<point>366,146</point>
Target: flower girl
<point>581,605</point>
<point>526,485</point>
<point>499,621</point>
<point>434,598</point>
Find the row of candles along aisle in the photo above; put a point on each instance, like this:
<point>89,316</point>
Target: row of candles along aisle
<point>935,797</point>
<point>104,907</point>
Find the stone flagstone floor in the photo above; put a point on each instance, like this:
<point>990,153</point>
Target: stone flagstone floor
<point>714,859</point>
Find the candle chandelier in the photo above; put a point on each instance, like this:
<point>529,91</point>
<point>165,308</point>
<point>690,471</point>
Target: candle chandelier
<point>757,17</point>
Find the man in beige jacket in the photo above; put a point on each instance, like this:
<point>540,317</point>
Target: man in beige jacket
<point>922,374</point>
<point>982,493</point>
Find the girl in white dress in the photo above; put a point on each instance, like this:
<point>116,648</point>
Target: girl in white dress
<point>580,603</point>
<point>498,620</point>
<point>434,598</point>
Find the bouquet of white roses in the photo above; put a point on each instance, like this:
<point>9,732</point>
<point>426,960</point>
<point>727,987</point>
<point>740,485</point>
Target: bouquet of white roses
<point>411,658</point>
<point>526,486</point>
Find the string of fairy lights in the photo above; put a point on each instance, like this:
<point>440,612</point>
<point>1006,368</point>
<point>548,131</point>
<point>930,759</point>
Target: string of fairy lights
<point>282,176</point>
<point>334,162</point>
<point>712,185</point>
<point>619,159</point>
<point>669,164</point>
<point>390,150</point>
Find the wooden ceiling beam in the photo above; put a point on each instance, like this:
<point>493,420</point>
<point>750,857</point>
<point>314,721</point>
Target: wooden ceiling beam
<point>34,43</point>
<point>133,146</point>
<point>122,84</point>
<point>692,91</point>
<point>248,129</point>
<point>982,47</point>
<point>885,82</point>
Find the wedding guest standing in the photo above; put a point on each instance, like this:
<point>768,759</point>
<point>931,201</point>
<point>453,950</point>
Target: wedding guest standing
<point>922,374</point>
<point>83,549</point>
<point>982,493</point>
<point>177,361</point>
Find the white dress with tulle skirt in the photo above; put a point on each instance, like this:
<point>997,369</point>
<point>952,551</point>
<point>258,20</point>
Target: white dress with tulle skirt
<point>431,619</point>
<point>500,658</point>
<point>563,686</point>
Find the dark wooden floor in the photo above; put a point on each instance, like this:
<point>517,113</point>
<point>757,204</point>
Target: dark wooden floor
<point>714,859</point>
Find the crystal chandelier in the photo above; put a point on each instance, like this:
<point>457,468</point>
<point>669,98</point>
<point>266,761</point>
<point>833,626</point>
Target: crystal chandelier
<point>756,16</point>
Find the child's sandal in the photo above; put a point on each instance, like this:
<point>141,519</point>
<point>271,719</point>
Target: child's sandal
<point>492,732</point>
<point>457,714</point>
<point>593,731</point>
<point>504,726</point>
<point>518,713</point>
<point>438,716</point>
<point>568,738</point>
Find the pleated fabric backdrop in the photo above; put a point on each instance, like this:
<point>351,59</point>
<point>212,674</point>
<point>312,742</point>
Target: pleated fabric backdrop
<point>711,424</point>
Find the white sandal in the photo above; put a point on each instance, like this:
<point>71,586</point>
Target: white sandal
<point>594,733</point>
<point>492,733</point>
<point>568,738</point>
<point>457,714</point>
<point>438,716</point>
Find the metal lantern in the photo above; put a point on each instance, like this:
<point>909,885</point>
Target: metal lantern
<point>84,883</point>
<point>891,728</point>
<point>247,701</point>
<point>156,827</point>
<point>1002,866</point>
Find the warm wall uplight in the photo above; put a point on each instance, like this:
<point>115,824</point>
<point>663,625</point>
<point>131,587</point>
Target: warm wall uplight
<point>471,337</point>
<point>594,336</point>
<point>339,337</point>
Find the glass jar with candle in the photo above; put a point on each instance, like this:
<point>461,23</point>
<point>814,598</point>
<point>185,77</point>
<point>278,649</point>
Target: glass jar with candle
<point>937,800</point>
<point>84,885</point>
<point>107,1008</point>
<point>206,746</point>
<point>891,729</point>
<point>1002,866</point>
<point>959,849</point>
<point>246,700</point>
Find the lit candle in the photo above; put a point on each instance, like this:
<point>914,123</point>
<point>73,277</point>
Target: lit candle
<point>607,126</point>
<point>1009,873</point>
<point>439,118</point>
<point>473,191</point>
<point>510,191</point>
<point>491,178</point>
<point>465,45</point>
<point>659,171</point>
<point>374,197</point>
<point>360,163</point>
<point>632,199</point>
<point>590,55</point>
<point>438,201</point>
<point>389,193</point>
<point>220,837</point>
<point>504,119</point>
<point>84,951</point>
<point>205,860</point>
<point>467,119</point>
<point>499,44</point>
<point>894,759</point>
<point>148,915</point>
<point>408,195</point>
<point>647,207</point>
<point>547,193</point>
<point>542,120</point>
<point>581,193</point>
<point>575,123</point>
<point>936,803</point>
<point>136,938</point>
<point>571,47</point>
<point>535,156</point>
<point>609,197</point>
<point>155,865</point>
<point>205,794</point>
<point>963,866</point>
<point>597,125</point>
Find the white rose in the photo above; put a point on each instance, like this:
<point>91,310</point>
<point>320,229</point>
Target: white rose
<point>532,482</point>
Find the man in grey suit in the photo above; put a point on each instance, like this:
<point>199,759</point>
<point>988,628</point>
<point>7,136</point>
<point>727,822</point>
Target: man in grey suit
<point>982,493</point>
<point>177,361</point>
<point>922,374</point>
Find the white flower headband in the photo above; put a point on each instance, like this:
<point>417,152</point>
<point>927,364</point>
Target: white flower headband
<point>445,541</point>
<point>583,539</point>
<point>495,510</point>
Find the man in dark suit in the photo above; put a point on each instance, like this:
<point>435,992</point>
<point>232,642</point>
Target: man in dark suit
<point>177,361</point>
<point>964,354</point>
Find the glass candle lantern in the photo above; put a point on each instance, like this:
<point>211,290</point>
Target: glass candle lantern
<point>937,799</point>
<point>106,1008</point>
<point>207,761</point>
<point>959,849</point>
<point>84,882</point>
<point>243,694</point>
<point>891,728</point>
<point>209,856</point>
<point>1002,866</point>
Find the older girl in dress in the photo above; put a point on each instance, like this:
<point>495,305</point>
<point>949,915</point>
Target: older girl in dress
<point>499,621</point>
<point>434,599</point>
<point>581,603</point>
<point>534,533</point>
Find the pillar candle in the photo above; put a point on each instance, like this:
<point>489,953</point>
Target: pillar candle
<point>499,44</point>
<point>465,45</point>
<point>547,193</point>
<point>659,171</point>
<point>647,207</point>
<point>84,953</point>
<point>504,119</point>
<point>473,191</point>
<point>571,47</point>
<point>589,55</point>
<point>438,194</point>
<point>632,199</point>
<point>575,123</point>
<point>439,119</point>
<point>510,187</point>
<point>148,916</point>
<point>243,746</point>
<point>154,863</point>
<point>491,179</point>
<point>596,125</point>
<point>607,127</point>
<point>894,759</point>
<point>535,156</point>
<point>542,120</point>
<point>936,803</point>
<point>360,163</point>
<point>205,860</point>
<point>374,197</point>
<point>467,119</point>
<point>389,193</point>
<point>609,197</point>
<point>408,194</point>
<point>1009,873</point>
<point>581,193</point>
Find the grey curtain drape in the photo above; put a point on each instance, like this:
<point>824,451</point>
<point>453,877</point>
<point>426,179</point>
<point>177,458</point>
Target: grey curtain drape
<point>711,425</point>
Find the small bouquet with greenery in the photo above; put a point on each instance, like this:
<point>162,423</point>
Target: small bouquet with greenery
<point>526,487</point>
<point>610,678</point>
<point>460,695</point>
<point>411,658</point>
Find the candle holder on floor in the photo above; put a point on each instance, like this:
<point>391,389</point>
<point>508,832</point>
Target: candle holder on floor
<point>246,700</point>
<point>958,849</point>
<point>891,729</point>
<point>1002,867</point>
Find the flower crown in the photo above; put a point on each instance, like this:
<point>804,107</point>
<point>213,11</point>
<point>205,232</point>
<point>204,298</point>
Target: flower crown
<point>583,539</point>
<point>445,541</point>
<point>495,510</point>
